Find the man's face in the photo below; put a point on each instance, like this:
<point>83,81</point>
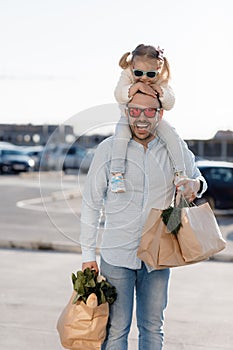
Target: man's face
<point>142,127</point>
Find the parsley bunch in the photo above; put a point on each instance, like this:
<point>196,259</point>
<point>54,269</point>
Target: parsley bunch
<point>87,282</point>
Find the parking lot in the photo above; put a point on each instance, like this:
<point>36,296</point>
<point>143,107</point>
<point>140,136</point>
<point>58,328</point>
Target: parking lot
<point>74,158</point>
<point>52,157</point>
<point>40,215</point>
<point>43,210</point>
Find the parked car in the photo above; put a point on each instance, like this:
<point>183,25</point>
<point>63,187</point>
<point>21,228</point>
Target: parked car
<point>13,160</point>
<point>34,152</point>
<point>219,177</point>
<point>53,157</point>
<point>46,158</point>
<point>87,159</point>
<point>74,158</point>
<point>62,157</point>
<point>4,144</point>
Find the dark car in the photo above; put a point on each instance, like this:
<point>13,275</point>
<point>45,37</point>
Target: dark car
<point>15,161</point>
<point>219,177</point>
<point>73,157</point>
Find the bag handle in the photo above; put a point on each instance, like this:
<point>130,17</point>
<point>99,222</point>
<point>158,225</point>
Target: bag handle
<point>181,202</point>
<point>171,216</point>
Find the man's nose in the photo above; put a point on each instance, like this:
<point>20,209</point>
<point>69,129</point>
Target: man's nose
<point>142,117</point>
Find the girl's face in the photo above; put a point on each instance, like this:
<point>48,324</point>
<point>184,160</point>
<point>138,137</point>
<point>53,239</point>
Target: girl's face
<point>147,65</point>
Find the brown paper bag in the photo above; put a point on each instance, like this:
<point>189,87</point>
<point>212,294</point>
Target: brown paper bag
<point>169,250</point>
<point>81,327</point>
<point>148,250</point>
<point>199,236</point>
<point>198,239</point>
<point>159,248</point>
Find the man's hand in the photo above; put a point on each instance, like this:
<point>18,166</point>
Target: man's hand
<point>188,187</point>
<point>92,265</point>
<point>139,86</point>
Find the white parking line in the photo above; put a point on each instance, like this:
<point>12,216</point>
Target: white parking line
<point>34,204</point>
<point>39,204</point>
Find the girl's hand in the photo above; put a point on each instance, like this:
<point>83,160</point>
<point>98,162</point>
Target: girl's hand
<point>92,265</point>
<point>146,89</point>
<point>158,89</point>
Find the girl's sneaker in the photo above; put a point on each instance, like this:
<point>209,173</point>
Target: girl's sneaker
<point>117,183</point>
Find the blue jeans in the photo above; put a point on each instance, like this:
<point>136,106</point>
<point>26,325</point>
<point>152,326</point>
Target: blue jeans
<point>151,301</point>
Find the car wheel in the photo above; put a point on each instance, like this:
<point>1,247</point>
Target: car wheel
<point>7,169</point>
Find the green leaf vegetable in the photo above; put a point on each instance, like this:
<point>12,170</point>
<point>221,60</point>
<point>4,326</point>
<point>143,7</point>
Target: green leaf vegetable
<point>172,219</point>
<point>87,282</point>
<point>172,216</point>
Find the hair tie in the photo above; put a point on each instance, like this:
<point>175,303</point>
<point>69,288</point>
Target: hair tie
<point>129,58</point>
<point>160,53</point>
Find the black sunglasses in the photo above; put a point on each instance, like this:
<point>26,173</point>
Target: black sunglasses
<point>149,74</point>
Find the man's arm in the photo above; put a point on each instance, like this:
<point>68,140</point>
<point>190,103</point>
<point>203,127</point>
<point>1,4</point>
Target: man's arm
<point>92,203</point>
<point>195,184</point>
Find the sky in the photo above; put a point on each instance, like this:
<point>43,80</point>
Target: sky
<point>59,60</point>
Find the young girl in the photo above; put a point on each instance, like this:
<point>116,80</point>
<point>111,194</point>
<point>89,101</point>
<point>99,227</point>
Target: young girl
<point>145,70</point>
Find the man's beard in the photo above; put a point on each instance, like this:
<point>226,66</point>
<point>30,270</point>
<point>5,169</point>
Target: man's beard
<point>142,138</point>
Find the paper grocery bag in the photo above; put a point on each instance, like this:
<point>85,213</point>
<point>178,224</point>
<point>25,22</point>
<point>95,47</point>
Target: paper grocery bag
<point>159,248</point>
<point>199,236</point>
<point>149,245</point>
<point>169,250</point>
<point>81,327</point>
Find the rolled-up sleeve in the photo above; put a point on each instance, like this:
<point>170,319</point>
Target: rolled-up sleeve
<point>125,82</point>
<point>168,99</point>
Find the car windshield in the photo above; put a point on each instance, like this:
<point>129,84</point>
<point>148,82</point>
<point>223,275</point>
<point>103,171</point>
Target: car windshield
<point>11,152</point>
<point>222,174</point>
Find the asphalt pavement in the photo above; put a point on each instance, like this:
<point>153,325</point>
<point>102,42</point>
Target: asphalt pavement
<point>48,207</point>
<point>35,285</point>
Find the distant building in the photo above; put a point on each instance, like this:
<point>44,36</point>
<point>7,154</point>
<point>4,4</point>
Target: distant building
<point>220,147</point>
<point>30,135</point>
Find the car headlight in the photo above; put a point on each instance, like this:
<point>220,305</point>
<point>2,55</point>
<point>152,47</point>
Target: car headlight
<point>31,162</point>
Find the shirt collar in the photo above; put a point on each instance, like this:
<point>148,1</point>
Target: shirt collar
<point>150,144</point>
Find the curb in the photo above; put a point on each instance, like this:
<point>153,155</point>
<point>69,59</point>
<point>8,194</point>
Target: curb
<point>46,246</point>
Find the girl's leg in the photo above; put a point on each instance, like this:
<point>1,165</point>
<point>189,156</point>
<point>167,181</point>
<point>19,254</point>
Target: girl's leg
<point>120,144</point>
<point>121,310</point>
<point>173,142</point>
<point>151,296</point>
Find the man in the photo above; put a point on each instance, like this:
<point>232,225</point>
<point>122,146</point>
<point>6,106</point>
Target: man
<point>149,183</point>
